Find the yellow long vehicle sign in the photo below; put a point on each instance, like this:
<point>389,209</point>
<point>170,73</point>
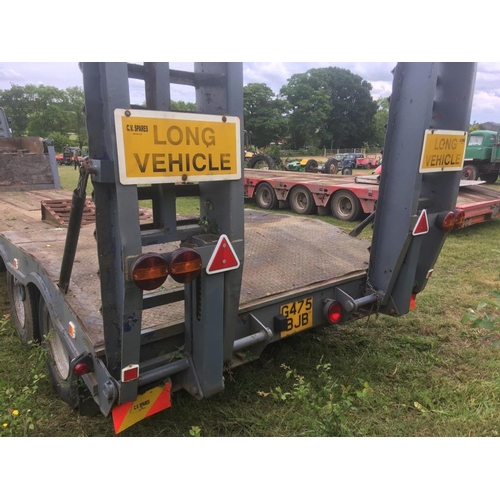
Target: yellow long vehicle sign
<point>443,150</point>
<point>156,147</point>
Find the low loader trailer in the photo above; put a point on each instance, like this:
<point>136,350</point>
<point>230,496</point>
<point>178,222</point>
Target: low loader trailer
<point>133,305</point>
<point>351,198</point>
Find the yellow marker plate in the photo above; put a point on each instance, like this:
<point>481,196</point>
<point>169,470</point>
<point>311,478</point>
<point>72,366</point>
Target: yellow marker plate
<point>156,147</point>
<point>443,150</point>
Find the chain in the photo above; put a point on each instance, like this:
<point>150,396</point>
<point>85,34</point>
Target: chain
<point>371,288</point>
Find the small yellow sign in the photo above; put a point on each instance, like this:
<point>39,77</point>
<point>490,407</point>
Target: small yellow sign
<point>443,150</point>
<point>156,147</point>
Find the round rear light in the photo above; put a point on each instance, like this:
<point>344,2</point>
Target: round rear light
<point>81,369</point>
<point>445,221</point>
<point>334,312</point>
<point>184,265</point>
<point>459,219</point>
<point>149,271</point>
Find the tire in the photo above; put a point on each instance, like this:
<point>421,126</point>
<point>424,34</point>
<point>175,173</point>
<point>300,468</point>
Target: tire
<point>470,173</point>
<point>67,385</point>
<point>311,165</point>
<point>490,178</point>
<point>262,161</point>
<point>347,171</point>
<point>24,306</point>
<point>265,197</point>
<point>277,161</point>
<point>331,166</point>
<point>345,206</point>
<point>57,358</point>
<point>302,201</point>
<point>71,389</point>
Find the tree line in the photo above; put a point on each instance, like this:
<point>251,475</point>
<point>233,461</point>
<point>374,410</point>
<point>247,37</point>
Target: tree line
<point>328,108</point>
<point>48,112</point>
<point>323,108</point>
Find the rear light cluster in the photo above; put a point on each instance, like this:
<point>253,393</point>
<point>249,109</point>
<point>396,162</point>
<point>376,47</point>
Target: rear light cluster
<point>151,270</point>
<point>446,221</point>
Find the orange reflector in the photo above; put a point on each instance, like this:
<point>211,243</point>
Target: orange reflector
<point>149,271</point>
<point>413,298</point>
<point>422,225</point>
<point>224,257</point>
<point>184,265</point>
<point>334,312</point>
<point>459,219</point>
<point>445,221</point>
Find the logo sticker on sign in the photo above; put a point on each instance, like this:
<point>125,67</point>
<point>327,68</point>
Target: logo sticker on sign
<point>156,147</point>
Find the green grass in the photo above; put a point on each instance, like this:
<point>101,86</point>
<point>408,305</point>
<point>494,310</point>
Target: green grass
<point>425,374</point>
<point>69,181</point>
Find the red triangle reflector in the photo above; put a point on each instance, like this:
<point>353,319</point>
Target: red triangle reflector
<point>224,257</point>
<point>422,225</point>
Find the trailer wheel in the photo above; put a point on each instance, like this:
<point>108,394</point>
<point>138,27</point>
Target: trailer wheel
<point>23,302</point>
<point>301,201</point>
<point>331,166</point>
<point>58,359</point>
<point>345,206</point>
<point>265,197</point>
<point>347,171</point>
<point>68,386</point>
<point>311,165</point>
<point>490,178</point>
<point>469,173</point>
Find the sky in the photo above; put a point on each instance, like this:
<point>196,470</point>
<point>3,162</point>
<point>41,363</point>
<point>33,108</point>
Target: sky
<point>486,103</point>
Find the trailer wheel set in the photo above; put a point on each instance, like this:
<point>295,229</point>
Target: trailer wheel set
<point>343,204</point>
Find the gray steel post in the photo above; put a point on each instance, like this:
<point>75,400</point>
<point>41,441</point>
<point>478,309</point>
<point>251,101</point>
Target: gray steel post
<point>424,97</point>
<point>452,110</point>
<point>219,91</point>
<point>117,223</point>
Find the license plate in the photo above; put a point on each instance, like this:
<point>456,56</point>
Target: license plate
<point>299,315</point>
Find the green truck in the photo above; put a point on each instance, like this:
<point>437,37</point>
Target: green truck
<point>482,156</point>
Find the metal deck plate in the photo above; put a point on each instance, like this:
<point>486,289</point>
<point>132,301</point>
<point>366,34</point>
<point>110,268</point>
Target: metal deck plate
<point>283,254</point>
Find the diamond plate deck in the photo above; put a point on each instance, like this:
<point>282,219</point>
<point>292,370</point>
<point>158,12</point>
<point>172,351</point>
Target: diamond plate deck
<point>283,255</point>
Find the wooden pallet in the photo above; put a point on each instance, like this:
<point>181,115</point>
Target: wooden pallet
<point>57,212</point>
